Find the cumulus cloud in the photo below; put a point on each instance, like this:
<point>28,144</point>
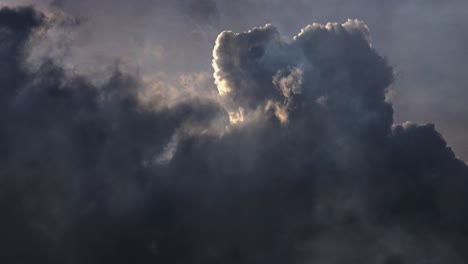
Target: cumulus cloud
<point>296,160</point>
<point>259,69</point>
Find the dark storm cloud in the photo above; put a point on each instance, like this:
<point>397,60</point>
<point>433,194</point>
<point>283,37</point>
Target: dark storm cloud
<point>306,168</point>
<point>71,150</point>
<point>361,178</point>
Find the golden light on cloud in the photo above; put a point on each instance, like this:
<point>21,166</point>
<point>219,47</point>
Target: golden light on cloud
<point>223,87</point>
<point>236,116</point>
<point>280,111</point>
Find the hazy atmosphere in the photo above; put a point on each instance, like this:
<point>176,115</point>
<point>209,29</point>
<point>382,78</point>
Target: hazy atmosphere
<point>249,131</point>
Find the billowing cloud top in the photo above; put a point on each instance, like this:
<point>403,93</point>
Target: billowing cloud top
<point>328,69</point>
<point>297,159</point>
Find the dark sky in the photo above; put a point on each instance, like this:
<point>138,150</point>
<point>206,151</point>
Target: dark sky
<point>202,131</point>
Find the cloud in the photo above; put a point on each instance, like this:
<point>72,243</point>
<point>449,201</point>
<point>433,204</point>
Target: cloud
<point>321,59</point>
<point>296,160</point>
<point>71,149</point>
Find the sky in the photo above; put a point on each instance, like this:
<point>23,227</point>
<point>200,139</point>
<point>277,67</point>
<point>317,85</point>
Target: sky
<point>250,131</point>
